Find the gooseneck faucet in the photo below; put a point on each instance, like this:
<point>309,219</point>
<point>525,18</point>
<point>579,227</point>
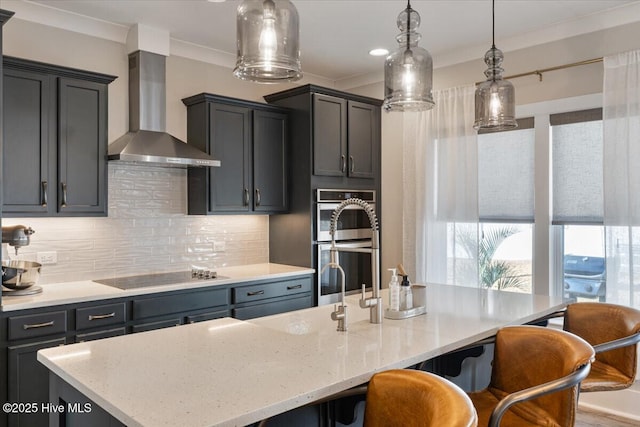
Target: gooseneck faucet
<point>374,303</point>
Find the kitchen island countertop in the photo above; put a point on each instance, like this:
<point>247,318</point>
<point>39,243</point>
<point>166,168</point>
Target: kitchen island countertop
<point>88,290</point>
<point>231,372</point>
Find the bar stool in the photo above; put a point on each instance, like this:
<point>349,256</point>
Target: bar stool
<point>403,397</point>
<point>613,331</point>
<point>535,377</point>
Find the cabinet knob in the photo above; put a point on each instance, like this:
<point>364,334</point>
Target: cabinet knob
<point>43,197</point>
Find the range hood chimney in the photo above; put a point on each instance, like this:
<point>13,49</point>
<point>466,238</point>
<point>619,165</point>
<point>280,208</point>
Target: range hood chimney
<point>147,142</point>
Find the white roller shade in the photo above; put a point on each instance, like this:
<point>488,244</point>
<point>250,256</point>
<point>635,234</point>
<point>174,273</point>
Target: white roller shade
<point>505,174</point>
<point>577,178</point>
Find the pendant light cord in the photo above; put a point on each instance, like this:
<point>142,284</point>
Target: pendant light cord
<point>493,24</point>
<point>408,23</point>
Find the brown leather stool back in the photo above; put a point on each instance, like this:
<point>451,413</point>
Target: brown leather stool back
<point>407,398</point>
<point>600,323</point>
<point>528,356</point>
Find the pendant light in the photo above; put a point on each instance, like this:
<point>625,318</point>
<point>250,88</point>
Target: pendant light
<point>495,97</point>
<point>268,41</point>
<point>408,72</point>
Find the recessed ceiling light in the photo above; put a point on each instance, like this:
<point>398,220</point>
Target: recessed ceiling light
<point>216,1</point>
<point>378,52</point>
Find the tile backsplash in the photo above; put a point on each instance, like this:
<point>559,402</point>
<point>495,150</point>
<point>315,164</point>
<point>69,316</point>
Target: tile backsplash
<point>147,231</point>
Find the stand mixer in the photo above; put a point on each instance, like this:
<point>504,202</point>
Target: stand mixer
<point>18,276</point>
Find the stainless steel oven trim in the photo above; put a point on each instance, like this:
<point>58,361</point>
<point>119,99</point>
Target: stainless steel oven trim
<point>343,247</point>
<point>340,190</point>
<point>348,234</point>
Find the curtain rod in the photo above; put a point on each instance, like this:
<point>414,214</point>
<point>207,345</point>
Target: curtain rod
<point>559,67</point>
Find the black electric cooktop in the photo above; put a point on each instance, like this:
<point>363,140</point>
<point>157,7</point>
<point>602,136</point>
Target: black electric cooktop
<point>159,279</point>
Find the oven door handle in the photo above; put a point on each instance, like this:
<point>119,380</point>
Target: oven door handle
<point>366,250</point>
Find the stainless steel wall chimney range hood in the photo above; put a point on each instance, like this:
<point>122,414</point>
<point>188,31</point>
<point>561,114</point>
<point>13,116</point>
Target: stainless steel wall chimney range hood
<point>147,142</point>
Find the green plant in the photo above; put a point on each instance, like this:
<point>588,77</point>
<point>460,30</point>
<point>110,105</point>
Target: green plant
<point>496,274</point>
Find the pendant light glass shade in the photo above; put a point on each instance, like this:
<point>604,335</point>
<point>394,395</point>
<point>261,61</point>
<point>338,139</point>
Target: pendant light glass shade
<point>408,72</point>
<point>268,41</point>
<point>495,97</point>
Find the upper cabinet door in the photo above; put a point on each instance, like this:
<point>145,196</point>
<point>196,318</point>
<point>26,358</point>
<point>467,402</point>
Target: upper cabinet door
<point>270,161</point>
<point>230,142</point>
<point>26,161</point>
<point>82,147</point>
<point>363,136</point>
<point>329,135</point>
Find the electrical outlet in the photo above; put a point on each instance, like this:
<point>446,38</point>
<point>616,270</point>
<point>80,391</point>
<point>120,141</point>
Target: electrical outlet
<point>219,246</point>
<point>44,258</point>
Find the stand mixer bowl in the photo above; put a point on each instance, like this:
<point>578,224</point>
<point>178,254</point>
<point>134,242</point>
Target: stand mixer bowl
<point>20,274</point>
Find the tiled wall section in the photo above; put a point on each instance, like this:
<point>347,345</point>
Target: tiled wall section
<point>147,231</point>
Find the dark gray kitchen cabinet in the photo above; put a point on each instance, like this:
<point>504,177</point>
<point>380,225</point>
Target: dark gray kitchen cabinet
<point>55,140</point>
<point>346,137</point>
<point>27,379</point>
<point>250,140</point>
<point>336,144</point>
<point>177,308</point>
<point>265,298</point>
<point>28,383</point>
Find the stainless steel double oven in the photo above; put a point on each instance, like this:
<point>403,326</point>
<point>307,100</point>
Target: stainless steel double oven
<point>353,233</point>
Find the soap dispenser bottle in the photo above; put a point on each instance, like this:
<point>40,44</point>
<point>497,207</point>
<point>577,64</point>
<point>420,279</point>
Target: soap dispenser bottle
<point>406,297</point>
<point>394,291</point>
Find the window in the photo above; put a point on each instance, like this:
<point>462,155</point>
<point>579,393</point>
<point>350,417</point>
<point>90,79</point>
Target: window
<point>506,208</point>
<point>577,176</point>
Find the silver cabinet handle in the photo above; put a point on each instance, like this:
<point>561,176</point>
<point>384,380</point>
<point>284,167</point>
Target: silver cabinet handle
<point>38,325</point>
<point>258,198</point>
<point>343,163</point>
<point>246,197</point>
<point>254,293</point>
<point>63,202</point>
<point>290,288</point>
<point>45,185</point>
<point>101,316</point>
<point>352,164</point>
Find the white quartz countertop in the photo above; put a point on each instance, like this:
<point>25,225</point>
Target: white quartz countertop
<point>228,372</point>
<point>87,290</point>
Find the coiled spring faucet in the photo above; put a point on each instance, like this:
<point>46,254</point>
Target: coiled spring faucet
<point>374,303</point>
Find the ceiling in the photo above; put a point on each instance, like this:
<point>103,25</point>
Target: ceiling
<point>337,35</point>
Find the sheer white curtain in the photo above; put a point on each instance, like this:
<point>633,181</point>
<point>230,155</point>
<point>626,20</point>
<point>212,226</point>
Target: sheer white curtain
<point>621,123</point>
<point>440,187</point>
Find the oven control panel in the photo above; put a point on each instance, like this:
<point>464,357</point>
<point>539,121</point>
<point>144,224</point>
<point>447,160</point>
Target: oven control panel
<point>324,195</point>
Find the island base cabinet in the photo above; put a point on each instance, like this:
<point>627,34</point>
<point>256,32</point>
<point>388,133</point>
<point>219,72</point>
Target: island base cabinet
<point>70,408</point>
<point>27,384</point>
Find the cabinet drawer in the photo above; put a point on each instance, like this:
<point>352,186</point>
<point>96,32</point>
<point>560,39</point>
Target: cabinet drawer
<point>259,310</point>
<point>100,334</point>
<point>271,290</point>
<point>100,315</point>
<point>156,325</point>
<point>208,316</point>
<point>37,325</point>
<point>176,303</point>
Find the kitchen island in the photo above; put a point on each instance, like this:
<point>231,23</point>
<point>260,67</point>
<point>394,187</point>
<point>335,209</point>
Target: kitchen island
<point>231,372</point>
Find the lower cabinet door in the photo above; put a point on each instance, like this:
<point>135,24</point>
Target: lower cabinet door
<point>29,384</point>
